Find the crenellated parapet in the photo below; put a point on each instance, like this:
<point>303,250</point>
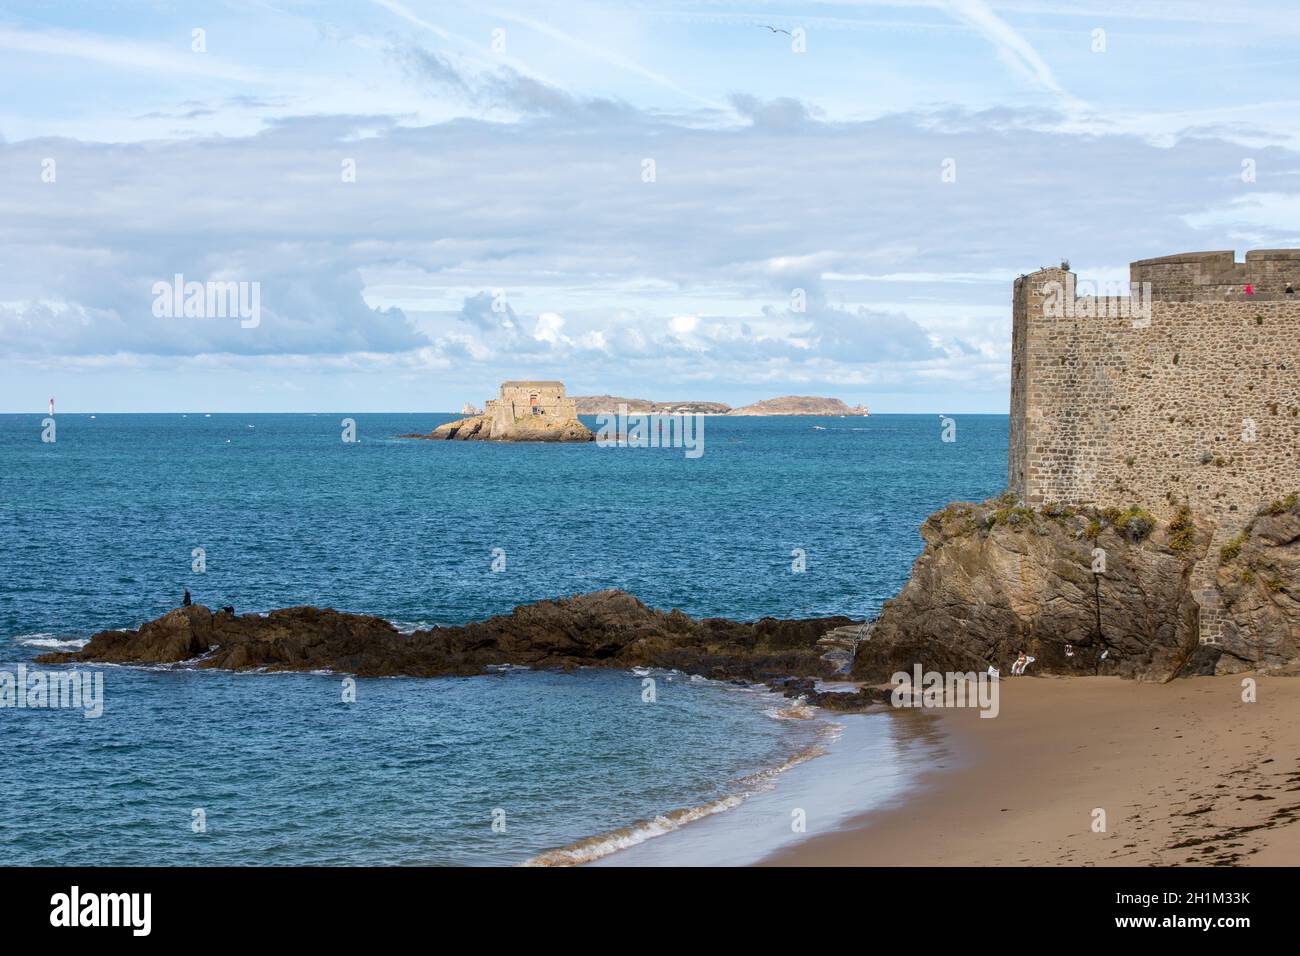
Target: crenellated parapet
<point>1215,276</point>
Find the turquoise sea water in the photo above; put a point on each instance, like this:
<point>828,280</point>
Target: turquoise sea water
<point>98,530</point>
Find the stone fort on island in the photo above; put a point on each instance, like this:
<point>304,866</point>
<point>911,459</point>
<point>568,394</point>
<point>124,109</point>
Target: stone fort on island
<point>521,401</point>
<point>1185,391</point>
<point>524,411</point>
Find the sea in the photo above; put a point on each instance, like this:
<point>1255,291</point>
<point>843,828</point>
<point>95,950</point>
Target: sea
<point>106,525</point>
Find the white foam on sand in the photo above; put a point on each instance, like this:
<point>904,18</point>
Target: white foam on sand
<point>868,765</point>
<point>601,846</point>
<point>791,710</point>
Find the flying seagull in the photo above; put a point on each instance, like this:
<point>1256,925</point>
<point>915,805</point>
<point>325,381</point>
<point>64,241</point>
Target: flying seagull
<point>775,29</point>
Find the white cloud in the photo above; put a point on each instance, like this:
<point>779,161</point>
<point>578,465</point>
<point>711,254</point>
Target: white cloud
<point>535,245</point>
<point>123,54</point>
<point>604,55</point>
<point>1012,47</point>
<point>549,328</point>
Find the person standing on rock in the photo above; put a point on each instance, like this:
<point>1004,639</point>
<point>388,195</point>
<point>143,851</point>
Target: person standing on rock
<point>185,599</point>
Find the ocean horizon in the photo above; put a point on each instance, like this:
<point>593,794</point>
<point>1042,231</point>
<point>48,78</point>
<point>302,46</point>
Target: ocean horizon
<point>105,525</point>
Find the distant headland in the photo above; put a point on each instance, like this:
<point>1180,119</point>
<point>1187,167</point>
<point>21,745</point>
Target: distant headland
<point>785,405</point>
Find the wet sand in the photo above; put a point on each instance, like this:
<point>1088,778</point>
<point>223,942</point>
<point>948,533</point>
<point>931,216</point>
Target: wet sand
<point>1186,772</point>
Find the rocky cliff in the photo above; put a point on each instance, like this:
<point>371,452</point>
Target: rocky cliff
<point>996,578</point>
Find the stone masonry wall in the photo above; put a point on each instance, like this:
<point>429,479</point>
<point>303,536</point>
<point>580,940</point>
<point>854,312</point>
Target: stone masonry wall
<point>1017,457</point>
<point>1200,403</point>
<point>516,401</point>
<point>1197,402</point>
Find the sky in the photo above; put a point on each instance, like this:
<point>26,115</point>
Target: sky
<point>662,199</point>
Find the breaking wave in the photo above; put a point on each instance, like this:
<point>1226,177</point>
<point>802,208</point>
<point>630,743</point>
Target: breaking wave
<point>593,848</point>
<point>47,640</point>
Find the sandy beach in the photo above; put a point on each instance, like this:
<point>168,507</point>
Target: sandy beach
<point>1186,772</point>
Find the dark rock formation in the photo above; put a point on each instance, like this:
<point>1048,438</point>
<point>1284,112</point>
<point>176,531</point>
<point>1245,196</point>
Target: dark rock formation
<point>995,579</point>
<point>603,629</point>
<point>1259,580</point>
<point>806,688</point>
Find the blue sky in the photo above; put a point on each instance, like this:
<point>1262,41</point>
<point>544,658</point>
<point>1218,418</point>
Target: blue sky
<point>501,224</point>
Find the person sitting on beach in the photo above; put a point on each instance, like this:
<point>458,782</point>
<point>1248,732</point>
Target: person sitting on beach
<point>1022,662</point>
<point>185,600</point>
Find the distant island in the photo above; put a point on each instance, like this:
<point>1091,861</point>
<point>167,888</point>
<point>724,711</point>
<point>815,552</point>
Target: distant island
<point>800,405</point>
<point>610,405</point>
<point>785,405</point>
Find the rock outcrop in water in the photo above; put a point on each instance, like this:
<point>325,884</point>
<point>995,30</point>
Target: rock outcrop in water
<point>479,428</point>
<point>995,579</point>
<point>602,629</point>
